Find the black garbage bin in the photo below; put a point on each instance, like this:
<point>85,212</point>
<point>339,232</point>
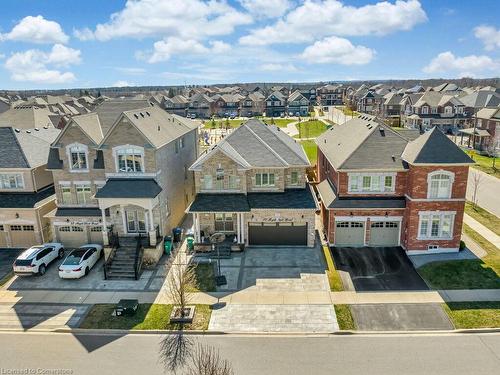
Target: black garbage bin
<point>177,233</point>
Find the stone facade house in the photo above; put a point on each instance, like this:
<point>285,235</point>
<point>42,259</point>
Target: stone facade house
<point>382,188</point>
<point>122,169</point>
<point>254,104</point>
<point>252,185</point>
<point>26,188</point>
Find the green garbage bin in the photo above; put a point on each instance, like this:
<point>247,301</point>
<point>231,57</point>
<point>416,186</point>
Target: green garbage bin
<point>167,243</point>
<point>190,242</point>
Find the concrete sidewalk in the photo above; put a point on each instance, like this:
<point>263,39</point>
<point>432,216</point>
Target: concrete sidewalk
<point>482,230</point>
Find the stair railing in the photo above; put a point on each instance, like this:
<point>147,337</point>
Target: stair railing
<point>114,243</point>
<point>139,256</point>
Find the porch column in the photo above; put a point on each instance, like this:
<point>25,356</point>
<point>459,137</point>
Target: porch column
<point>238,227</point>
<point>242,223</point>
<point>105,238</point>
<point>152,231</point>
<point>196,227</point>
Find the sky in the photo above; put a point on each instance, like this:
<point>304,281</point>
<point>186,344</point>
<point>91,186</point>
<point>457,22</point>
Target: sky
<point>51,44</point>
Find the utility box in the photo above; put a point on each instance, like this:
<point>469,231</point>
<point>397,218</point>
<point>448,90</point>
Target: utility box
<point>126,307</point>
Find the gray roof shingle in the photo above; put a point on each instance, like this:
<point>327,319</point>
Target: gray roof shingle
<point>11,154</point>
<point>129,188</point>
<point>220,203</point>
<point>25,200</point>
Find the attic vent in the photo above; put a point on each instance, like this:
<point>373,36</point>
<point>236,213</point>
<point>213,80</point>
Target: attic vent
<point>28,131</point>
<point>148,113</point>
<point>17,130</point>
<point>393,158</point>
<point>158,127</point>
<point>370,127</point>
<point>151,104</point>
<point>142,114</point>
<point>37,130</point>
<point>45,127</point>
<point>135,115</point>
<point>382,131</point>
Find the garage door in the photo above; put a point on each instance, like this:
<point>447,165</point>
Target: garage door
<point>22,235</point>
<point>291,234</point>
<point>384,233</point>
<point>96,235</point>
<point>349,233</point>
<point>3,236</point>
<point>71,236</point>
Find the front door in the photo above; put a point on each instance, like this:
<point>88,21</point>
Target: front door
<point>136,221</point>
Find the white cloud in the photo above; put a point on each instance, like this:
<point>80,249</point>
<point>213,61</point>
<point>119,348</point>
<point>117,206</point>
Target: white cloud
<point>266,8</point>
<point>337,51</point>
<point>121,83</point>
<point>165,49</point>
<point>275,67</point>
<point>35,65</point>
<point>2,56</point>
<point>190,19</point>
<point>36,30</point>
<point>317,19</point>
<point>472,65</point>
<point>489,36</point>
<point>131,71</point>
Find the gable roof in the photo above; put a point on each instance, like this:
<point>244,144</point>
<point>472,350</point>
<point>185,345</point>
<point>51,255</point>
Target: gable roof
<point>489,113</point>
<point>480,99</point>
<point>434,147</point>
<point>26,117</point>
<point>256,144</point>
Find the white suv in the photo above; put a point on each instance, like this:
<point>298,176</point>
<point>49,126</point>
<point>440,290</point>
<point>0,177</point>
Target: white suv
<point>36,259</point>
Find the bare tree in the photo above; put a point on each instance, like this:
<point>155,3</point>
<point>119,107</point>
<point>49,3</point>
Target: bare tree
<point>492,151</point>
<point>206,360</point>
<point>175,350</point>
<point>182,279</point>
<point>476,179</point>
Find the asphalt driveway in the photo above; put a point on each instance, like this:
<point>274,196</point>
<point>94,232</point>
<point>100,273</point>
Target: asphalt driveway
<point>7,257</point>
<point>377,268</point>
<point>400,317</point>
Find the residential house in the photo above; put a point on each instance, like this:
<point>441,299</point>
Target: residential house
<point>254,104</point>
<point>201,106</point>
<point>298,104</point>
<point>26,188</point>
<point>177,105</point>
<point>227,104</point>
<point>252,185</point>
<point>380,188</point>
<point>370,102</point>
<point>275,104</point>
<point>122,169</point>
<point>329,95</point>
<point>485,135</point>
<point>391,105</point>
<point>27,116</point>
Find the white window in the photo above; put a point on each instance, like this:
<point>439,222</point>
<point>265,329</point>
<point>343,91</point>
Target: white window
<point>264,179</point>
<point>219,178</point>
<point>78,155</point>
<point>439,185</point>
<point>388,183</point>
<point>436,225</point>
<point>460,109</point>
<point>434,110</point>
<point>130,159</point>
<point>371,183</point>
<point>66,195</point>
<point>232,182</point>
<point>83,194</point>
<point>11,181</point>
<point>425,110</point>
<point>354,183</point>
<point>294,178</point>
<point>207,181</point>
<point>448,110</point>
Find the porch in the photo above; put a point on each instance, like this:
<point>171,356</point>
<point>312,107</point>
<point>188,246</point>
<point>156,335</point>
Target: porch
<point>478,139</point>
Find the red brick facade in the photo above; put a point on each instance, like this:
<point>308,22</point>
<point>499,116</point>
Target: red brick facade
<point>413,184</point>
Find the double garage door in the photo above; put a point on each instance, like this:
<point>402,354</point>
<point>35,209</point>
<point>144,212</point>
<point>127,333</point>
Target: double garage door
<point>76,236</point>
<point>291,234</point>
<point>352,233</point>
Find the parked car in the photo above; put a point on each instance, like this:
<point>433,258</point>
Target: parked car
<point>34,261</point>
<point>80,261</point>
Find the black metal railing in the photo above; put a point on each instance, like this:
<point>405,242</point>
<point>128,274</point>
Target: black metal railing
<point>139,256</point>
<point>114,243</point>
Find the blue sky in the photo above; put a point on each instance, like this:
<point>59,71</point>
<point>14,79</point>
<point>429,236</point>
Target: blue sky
<point>65,43</point>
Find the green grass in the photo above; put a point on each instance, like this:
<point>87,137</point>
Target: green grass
<point>485,163</point>
<point>349,112</point>
<point>333,276</point>
<point>222,123</point>
<point>311,150</point>
<point>344,317</point>
<point>310,129</point>
<point>6,278</point>
<point>466,274</point>
<point>279,122</point>
<point>486,218</point>
<point>474,314</point>
<point>147,317</point>
<point>205,278</point>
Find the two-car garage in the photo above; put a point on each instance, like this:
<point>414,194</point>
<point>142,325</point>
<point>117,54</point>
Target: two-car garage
<point>366,232</point>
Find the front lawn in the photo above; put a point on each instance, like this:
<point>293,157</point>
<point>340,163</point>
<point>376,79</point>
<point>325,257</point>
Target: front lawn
<point>279,122</point>
<point>311,150</point>
<point>333,276</point>
<point>310,129</point>
<point>222,124</point>
<point>344,317</point>
<point>148,317</point>
<point>466,274</point>
<point>349,112</point>
<point>474,314</point>
<point>205,277</point>
<point>489,220</point>
<point>485,163</point>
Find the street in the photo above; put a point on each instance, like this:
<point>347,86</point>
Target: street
<point>360,354</point>
<point>488,192</point>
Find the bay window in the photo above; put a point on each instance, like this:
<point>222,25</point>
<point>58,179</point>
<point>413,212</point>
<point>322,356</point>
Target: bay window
<point>130,159</point>
<point>436,225</point>
<point>439,185</point>
<point>11,181</point>
<point>371,183</point>
<point>264,179</point>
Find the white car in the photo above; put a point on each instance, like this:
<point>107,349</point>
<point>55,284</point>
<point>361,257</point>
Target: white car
<point>34,261</point>
<point>80,261</point>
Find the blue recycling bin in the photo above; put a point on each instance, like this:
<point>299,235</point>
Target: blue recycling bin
<point>177,233</point>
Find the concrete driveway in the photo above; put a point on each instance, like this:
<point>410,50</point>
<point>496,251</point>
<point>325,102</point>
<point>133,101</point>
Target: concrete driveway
<point>376,269</point>
<point>400,317</point>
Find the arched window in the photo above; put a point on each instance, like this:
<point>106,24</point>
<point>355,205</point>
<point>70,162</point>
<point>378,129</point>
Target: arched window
<point>439,185</point>
<point>129,159</point>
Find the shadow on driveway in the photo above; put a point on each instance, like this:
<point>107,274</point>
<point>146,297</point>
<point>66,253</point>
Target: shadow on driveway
<point>377,268</point>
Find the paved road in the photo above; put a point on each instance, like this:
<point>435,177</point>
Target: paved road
<point>488,192</point>
<point>140,354</point>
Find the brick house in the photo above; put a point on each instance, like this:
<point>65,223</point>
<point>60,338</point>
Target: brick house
<point>121,168</point>
<point>329,95</point>
<point>252,185</point>
<point>379,187</point>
